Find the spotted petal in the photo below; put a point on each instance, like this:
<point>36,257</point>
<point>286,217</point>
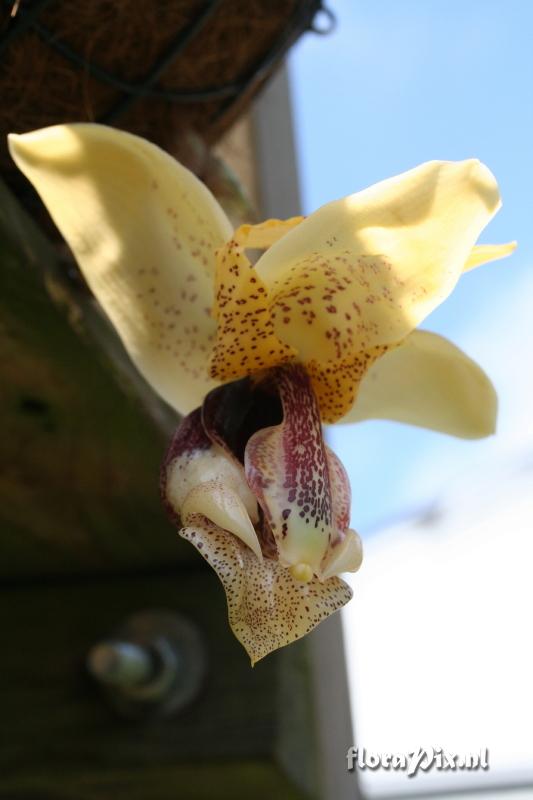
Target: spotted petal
<point>364,271</point>
<point>336,382</point>
<point>143,230</point>
<point>428,382</point>
<point>245,338</point>
<point>267,607</point>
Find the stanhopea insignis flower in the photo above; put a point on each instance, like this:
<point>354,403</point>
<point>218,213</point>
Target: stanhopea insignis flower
<point>321,328</point>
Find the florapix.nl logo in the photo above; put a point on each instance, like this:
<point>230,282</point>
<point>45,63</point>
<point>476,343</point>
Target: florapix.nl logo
<point>423,758</point>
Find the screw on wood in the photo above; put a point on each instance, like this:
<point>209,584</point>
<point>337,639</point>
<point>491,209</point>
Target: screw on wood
<point>121,664</point>
<point>154,665</point>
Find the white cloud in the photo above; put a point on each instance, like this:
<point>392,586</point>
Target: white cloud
<point>438,636</point>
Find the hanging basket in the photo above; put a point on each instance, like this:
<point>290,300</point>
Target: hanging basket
<point>158,68</point>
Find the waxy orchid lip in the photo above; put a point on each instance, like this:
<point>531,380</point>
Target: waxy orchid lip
<point>261,442</point>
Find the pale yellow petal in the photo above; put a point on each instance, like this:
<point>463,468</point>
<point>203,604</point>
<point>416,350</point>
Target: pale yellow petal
<point>267,607</point>
<point>428,382</point>
<point>483,253</point>
<point>364,271</point>
<point>143,230</point>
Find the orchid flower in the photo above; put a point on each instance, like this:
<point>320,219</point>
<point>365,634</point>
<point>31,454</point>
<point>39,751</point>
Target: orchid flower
<point>321,328</point>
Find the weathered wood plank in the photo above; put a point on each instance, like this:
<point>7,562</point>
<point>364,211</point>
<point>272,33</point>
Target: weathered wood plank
<point>244,735</point>
<point>82,437</point>
<point>233,780</point>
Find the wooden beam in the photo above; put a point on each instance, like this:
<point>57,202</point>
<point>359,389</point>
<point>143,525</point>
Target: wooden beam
<point>247,734</point>
<point>82,437</point>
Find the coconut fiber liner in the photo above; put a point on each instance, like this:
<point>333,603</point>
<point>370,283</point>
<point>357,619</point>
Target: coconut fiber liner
<point>157,68</point>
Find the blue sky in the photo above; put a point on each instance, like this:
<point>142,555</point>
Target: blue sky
<point>395,85</point>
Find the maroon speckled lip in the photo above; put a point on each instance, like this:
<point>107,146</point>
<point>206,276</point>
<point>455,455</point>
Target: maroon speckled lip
<point>299,452</point>
<point>273,429</point>
<point>268,433</point>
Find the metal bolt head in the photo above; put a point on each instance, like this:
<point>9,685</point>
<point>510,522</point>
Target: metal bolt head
<point>153,666</point>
